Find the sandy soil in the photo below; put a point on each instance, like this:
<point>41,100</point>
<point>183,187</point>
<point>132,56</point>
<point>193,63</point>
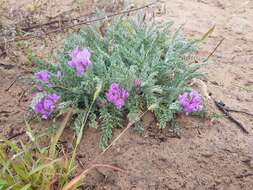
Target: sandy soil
<point>208,156</point>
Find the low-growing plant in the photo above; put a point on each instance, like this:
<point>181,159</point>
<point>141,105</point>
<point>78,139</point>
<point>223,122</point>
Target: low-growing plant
<point>30,167</point>
<point>129,65</point>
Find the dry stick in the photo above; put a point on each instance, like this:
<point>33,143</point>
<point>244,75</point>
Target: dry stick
<point>15,80</point>
<point>219,105</point>
<point>16,135</point>
<point>80,162</point>
<point>244,175</point>
<point>21,96</point>
<point>226,112</point>
<point>56,21</point>
<point>117,138</point>
<point>93,165</point>
<point>214,50</point>
<point>239,111</point>
<point>74,181</point>
<point>12,83</point>
<point>75,25</point>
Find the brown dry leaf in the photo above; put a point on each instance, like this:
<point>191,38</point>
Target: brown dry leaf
<point>203,87</point>
<point>102,30</point>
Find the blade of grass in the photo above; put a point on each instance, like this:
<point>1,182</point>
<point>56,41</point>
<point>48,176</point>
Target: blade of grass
<point>80,177</point>
<point>9,143</point>
<point>208,33</point>
<point>20,170</point>
<point>129,125</point>
<point>80,135</point>
<point>26,187</point>
<point>41,167</point>
<point>55,139</point>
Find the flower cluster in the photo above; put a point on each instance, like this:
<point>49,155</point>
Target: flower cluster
<point>117,95</point>
<point>42,76</point>
<point>46,105</point>
<point>191,102</point>
<point>80,60</point>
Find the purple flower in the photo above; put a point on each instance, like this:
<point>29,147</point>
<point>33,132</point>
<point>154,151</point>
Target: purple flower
<point>190,102</point>
<point>137,83</point>
<point>42,76</point>
<point>46,105</point>
<point>117,95</point>
<point>80,60</point>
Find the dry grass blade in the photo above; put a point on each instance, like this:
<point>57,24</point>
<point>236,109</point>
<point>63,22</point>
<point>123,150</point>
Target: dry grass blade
<point>129,125</point>
<point>41,167</point>
<point>214,50</point>
<point>80,177</point>
<point>208,33</point>
<point>55,139</point>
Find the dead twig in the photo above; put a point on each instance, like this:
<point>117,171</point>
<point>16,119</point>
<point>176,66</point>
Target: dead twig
<point>214,50</point>
<point>93,164</point>
<point>12,83</point>
<point>223,108</point>
<point>22,95</point>
<point>80,162</point>
<point>16,135</point>
<point>244,175</point>
<point>240,111</point>
<point>78,178</point>
<point>7,66</point>
<point>78,19</point>
<point>116,139</point>
<point>31,36</point>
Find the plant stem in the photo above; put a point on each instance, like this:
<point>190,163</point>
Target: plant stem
<point>92,165</point>
<point>65,88</point>
<point>129,125</point>
<point>79,137</point>
<point>56,138</point>
<point>78,178</point>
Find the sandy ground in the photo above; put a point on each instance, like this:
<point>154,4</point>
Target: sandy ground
<point>217,156</point>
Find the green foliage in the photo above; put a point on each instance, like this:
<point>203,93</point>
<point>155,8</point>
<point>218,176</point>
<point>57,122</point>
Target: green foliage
<point>123,50</point>
<point>107,126</point>
<point>29,167</point>
<point>22,168</point>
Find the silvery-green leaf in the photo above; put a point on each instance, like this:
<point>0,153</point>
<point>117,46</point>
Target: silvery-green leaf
<point>176,106</point>
<point>36,99</point>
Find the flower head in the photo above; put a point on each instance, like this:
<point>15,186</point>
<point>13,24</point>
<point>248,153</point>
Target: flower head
<point>117,95</point>
<point>42,76</point>
<point>137,83</point>
<point>191,102</point>
<point>46,105</point>
<point>80,60</point>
